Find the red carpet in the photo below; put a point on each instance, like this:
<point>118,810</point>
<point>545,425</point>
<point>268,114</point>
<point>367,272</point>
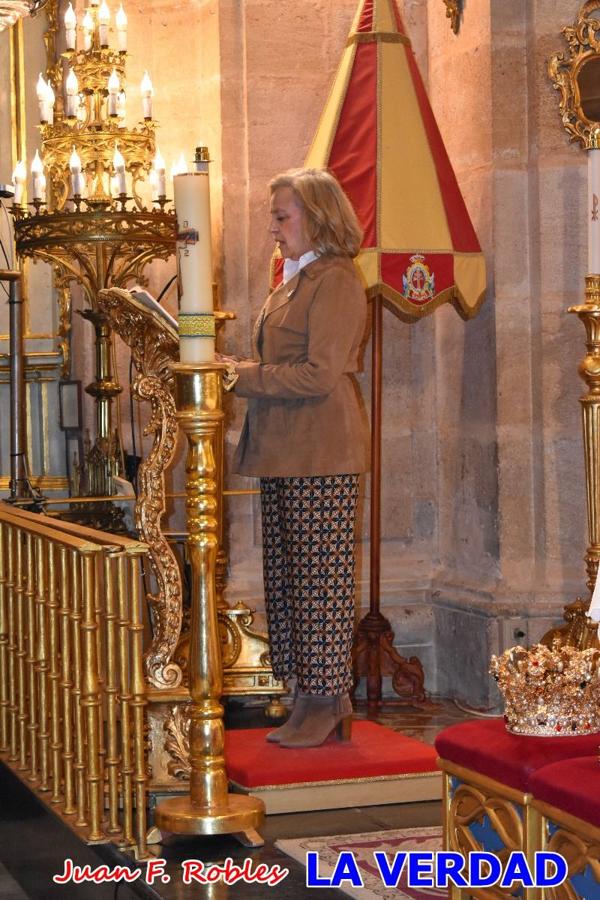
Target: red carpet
<point>373,752</point>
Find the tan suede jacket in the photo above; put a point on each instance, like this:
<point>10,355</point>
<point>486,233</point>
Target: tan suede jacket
<point>305,414</point>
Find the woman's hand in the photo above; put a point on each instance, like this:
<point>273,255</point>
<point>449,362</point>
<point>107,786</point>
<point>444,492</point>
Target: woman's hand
<point>227,360</point>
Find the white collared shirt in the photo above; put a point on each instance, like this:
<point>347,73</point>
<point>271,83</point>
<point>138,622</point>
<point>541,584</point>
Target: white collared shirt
<point>291,266</point>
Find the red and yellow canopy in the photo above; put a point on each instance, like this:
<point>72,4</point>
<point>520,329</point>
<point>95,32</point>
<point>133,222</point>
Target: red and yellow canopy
<point>378,135</point>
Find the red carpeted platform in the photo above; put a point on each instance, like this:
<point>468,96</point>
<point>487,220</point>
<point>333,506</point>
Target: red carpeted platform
<point>377,766</point>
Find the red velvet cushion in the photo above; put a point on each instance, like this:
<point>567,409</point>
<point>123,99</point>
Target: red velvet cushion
<point>485,746</point>
<point>572,785</point>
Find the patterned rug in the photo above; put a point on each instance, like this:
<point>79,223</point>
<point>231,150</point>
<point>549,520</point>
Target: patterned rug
<point>363,846</point>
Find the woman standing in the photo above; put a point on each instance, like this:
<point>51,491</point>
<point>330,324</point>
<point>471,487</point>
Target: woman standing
<point>306,437</point>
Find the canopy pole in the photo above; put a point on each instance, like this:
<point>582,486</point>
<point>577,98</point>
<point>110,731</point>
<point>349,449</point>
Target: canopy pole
<point>374,654</point>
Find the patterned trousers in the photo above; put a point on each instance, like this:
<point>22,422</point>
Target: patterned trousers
<point>308,558</point>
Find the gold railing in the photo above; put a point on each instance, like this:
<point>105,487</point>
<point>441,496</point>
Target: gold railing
<point>72,690</point>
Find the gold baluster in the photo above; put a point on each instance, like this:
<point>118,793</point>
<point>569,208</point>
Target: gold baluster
<point>209,809</point>
<point>138,704</point>
<point>54,675</point>
<point>21,575</point>
<point>11,597</point>
<point>66,680</point>
<point>78,717</point>
<point>32,658</point>
<point>112,690</point>
<point>4,698</point>
<point>125,695</point>
<point>42,664</point>
<point>90,696</point>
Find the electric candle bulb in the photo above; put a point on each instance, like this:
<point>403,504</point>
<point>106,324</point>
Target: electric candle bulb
<point>153,179</point>
<point>103,19</point>
<point>42,95</point>
<point>41,88</point>
<point>121,20</point>
<point>19,176</point>
<point>76,176</point>
<point>72,87</point>
<point>49,104</point>
<point>121,100</point>
<point>37,171</point>
<point>70,27</point>
<point>114,86</point>
<point>81,109</point>
<point>146,91</point>
<point>159,170</point>
<point>119,165</point>
<point>88,31</point>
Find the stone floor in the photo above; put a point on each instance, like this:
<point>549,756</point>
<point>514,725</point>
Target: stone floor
<point>34,844</point>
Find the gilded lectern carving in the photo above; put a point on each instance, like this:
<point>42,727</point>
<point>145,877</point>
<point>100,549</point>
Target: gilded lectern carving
<point>154,344</point>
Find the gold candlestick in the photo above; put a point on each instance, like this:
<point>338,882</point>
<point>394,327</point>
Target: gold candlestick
<point>209,808</point>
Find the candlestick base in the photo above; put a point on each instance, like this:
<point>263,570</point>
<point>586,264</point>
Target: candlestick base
<point>239,816</point>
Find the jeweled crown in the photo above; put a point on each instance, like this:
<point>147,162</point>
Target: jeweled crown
<point>549,692</point>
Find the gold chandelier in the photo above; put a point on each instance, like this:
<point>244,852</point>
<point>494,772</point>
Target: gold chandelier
<point>92,217</point>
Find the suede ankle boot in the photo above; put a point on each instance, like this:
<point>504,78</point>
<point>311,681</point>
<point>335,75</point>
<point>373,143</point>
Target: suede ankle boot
<point>290,726</point>
<point>322,716</point>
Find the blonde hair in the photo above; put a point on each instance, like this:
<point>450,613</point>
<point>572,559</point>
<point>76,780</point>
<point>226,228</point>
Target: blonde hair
<point>330,221</point>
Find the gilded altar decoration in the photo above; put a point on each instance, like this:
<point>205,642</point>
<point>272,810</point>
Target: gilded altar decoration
<point>453,13</point>
<point>574,74</point>
<point>177,744</point>
<point>549,692</point>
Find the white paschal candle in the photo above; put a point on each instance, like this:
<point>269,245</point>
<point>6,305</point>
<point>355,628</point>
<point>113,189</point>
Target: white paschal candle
<point>194,256</point>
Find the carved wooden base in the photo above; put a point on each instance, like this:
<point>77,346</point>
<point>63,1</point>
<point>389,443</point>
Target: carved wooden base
<point>374,655</point>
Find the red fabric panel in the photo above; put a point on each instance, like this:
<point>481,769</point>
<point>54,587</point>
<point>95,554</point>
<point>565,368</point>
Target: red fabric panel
<point>395,265</point>
<point>485,746</point>
<point>571,785</point>
<point>373,750</point>
<point>462,232</point>
<point>276,273</point>
<point>353,156</point>
<point>366,17</point>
